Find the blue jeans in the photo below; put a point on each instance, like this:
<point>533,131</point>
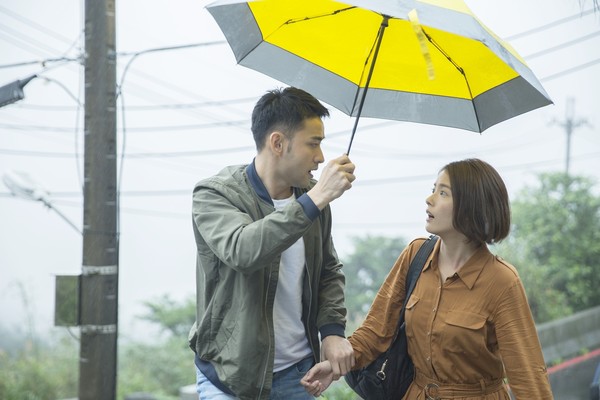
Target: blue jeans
<point>286,384</point>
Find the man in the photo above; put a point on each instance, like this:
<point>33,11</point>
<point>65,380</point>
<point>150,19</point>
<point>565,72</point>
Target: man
<point>268,278</point>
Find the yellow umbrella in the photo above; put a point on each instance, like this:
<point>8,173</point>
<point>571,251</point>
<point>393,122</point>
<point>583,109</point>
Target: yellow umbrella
<point>429,61</point>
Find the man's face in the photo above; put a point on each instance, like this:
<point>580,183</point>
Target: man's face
<point>303,153</point>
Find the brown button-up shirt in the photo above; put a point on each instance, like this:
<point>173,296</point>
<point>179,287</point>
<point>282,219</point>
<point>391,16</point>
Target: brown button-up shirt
<point>470,328</point>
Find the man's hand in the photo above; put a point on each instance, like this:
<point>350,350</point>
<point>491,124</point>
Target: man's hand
<point>338,351</point>
<point>336,178</point>
<point>318,378</point>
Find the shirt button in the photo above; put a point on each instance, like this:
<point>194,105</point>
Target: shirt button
<point>428,333</point>
<point>434,309</point>
<point>428,359</point>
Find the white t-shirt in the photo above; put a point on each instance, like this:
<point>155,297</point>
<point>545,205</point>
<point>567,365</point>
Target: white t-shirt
<point>291,343</point>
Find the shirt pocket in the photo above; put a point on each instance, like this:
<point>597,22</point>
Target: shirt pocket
<point>463,332</point>
<point>408,315</point>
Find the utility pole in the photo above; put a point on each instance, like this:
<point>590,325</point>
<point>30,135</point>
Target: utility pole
<point>569,124</point>
<point>99,277</point>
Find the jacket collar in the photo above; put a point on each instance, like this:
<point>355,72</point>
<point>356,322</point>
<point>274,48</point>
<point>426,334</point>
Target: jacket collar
<point>257,183</point>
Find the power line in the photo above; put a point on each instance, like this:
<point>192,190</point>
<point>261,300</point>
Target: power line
<point>35,25</point>
<point>207,125</point>
<point>192,153</point>
<point>42,62</point>
<point>550,25</point>
<point>27,39</point>
<point>208,103</point>
<point>562,45</point>
<point>570,70</point>
<point>367,182</point>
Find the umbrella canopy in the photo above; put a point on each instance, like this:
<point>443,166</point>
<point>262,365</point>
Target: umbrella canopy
<point>429,61</point>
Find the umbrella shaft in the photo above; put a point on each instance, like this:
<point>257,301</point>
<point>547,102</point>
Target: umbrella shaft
<point>384,24</point>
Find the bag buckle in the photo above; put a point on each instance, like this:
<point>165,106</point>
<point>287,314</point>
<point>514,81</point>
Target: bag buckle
<point>432,391</point>
<point>381,373</point>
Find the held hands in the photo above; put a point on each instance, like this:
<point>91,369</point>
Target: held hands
<point>318,378</point>
<point>336,178</point>
<point>338,351</point>
<point>338,357</point>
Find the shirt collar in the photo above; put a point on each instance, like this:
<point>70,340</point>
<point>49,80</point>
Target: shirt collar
<point>472,268</point>
<point>474,265</point>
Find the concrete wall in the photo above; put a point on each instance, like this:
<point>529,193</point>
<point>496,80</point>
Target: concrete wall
<point>573,383</point>
<point>562,342</point>
<point>571,336</point>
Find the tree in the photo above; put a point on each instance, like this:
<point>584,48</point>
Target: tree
<point>164,365</point>
<point>366,269</point>
<point>174,318</point>
<point>555,244</point>
<point>37,370</point>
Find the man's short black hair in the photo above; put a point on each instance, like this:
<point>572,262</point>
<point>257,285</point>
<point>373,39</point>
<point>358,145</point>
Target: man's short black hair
<point>284,110</point>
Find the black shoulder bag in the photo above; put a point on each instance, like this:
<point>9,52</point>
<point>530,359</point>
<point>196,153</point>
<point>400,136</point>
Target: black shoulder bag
<point>390,375</point>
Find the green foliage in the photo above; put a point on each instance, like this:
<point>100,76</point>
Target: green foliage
<point>36,372</point>
<point>161,368</point>
<point>339,390</point>
<point>172,317</point>
<point>555,244</point>
<point>366,269</point>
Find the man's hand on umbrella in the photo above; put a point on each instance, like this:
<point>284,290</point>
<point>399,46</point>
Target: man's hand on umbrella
<point>338,351</point>
<point>336,178</point>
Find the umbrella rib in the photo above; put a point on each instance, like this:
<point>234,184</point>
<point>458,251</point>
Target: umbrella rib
<point>296,20</point>
<point>459,69</point>
<point>384,24</point>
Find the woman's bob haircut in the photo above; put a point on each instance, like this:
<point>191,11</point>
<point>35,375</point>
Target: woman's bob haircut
<point>481,204</point>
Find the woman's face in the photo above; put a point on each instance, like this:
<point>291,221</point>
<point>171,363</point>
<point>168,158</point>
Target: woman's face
<point>440,206</point>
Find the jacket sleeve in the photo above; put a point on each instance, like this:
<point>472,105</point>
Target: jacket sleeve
<point>520,347</point>
<point>235,238</point>
<point>331,316</point>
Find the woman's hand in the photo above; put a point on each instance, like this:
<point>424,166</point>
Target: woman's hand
<point>318,378</point>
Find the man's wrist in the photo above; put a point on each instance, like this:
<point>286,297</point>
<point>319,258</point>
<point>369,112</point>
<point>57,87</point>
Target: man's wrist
<point>317,197</point>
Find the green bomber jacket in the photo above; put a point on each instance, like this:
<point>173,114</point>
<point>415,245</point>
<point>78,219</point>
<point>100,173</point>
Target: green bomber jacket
<point>239,239</point>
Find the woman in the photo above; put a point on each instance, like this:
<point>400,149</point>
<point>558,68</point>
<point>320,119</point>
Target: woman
<point>468,322</point>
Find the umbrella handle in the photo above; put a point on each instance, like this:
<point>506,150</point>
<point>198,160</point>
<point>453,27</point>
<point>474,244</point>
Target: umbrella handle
<point>384,24</point>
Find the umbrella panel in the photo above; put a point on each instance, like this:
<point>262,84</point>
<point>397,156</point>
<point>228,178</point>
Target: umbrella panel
<point>346,38</point>
<point>281,40</point>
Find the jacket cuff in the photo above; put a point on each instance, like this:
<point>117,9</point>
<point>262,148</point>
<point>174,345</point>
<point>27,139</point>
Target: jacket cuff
<point>309,207</point>
<point>332,329</point>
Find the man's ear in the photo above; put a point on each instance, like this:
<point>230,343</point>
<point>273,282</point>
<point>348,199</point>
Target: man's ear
<point>276,140</point>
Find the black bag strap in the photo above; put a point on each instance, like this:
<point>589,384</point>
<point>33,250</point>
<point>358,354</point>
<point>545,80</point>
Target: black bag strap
<point>414,270</point>
<point>417,265</point>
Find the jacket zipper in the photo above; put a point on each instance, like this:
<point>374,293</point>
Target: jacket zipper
<point>269,328</point>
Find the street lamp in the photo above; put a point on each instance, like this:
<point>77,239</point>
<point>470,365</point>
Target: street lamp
<point>13,91</point>
<point>21,185</point>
